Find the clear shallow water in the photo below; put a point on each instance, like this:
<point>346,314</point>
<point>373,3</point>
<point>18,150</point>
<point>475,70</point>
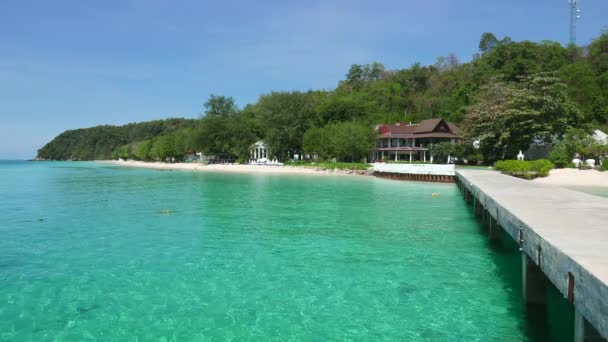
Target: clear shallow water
<point>95,252</point>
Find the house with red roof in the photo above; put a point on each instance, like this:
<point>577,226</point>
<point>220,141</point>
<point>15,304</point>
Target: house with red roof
<point>411,142</point>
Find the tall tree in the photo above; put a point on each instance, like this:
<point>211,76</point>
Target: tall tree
<point>584,88</point>
<point>213,135</point>
<point>598,53</point>
<point>283,118</point>
<point>220,106</point>
<point>510,116</point>
<point>345,141</point>
<point>487,42</point>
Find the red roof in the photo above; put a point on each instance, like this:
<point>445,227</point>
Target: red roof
<point>438,128</point>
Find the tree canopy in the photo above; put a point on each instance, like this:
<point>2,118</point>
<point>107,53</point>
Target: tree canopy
<point>101,141</point>
<point>508,117</point>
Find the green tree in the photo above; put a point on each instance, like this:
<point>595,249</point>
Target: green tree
<point>488,42</point>
<point>345,141</point>
<point>521,59</point>
<point>339,107</point>
<point>220,106</point>
<point>575,142</point>
<point>144,149</point>
<point>598,53</point>
<point>584,88</point>
<point>244,134</point>
<point>510,116</point>
<point>283,117</point>
<point>213,135</point>
<point>164,148</point>
<point>355,76</point>
<point>441,151</point>
<point>317,143</point>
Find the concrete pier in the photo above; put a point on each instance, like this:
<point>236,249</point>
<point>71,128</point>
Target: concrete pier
<point>563,236</point>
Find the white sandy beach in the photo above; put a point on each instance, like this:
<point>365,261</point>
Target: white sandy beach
<point>238,168</point>
<point>557,177</point>
<point>575,178</point>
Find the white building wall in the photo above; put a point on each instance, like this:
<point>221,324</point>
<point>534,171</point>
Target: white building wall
<point>417,169</point>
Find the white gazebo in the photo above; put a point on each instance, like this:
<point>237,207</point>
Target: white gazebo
<point>259,152</point>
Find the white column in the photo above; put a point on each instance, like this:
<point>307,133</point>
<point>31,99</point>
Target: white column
<point>396,156</point>
<point>410,156</point>
<point>424,155</point>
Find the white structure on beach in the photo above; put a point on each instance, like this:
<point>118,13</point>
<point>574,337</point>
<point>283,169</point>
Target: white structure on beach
<point>259,152</point>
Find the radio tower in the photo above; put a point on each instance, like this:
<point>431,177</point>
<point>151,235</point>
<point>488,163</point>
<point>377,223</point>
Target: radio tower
<point>575,15</point>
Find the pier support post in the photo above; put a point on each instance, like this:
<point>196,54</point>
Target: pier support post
<point>478,207</point>
<point>584,331</point>
<point>493,228</point>
<point>534,282</point>
<point>475,203</point>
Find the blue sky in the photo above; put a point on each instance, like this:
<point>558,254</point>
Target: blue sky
<point>71,64</point>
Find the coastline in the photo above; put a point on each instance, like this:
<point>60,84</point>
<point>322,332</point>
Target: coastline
<point>237,168</point>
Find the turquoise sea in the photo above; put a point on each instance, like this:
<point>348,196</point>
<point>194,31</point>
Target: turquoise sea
<point>93,252</point>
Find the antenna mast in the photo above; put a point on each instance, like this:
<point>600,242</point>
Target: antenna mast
<point>575,15</point>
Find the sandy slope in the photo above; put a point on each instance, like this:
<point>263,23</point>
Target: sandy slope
<point>575,177</point>
<point>262,169</point>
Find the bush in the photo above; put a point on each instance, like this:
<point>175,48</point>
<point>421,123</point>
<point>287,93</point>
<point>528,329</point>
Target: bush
<point>560,164</point>
<point>604,166</point>
<point>542,167</point>
<point>525,169</point>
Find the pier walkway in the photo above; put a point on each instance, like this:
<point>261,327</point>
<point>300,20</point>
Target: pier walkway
<point>563,233</point>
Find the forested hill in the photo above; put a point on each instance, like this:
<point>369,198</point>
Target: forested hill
<point>509,94</point>
<point>98,143</point>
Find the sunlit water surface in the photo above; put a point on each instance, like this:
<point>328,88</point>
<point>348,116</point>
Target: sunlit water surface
<point>95,252</point>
